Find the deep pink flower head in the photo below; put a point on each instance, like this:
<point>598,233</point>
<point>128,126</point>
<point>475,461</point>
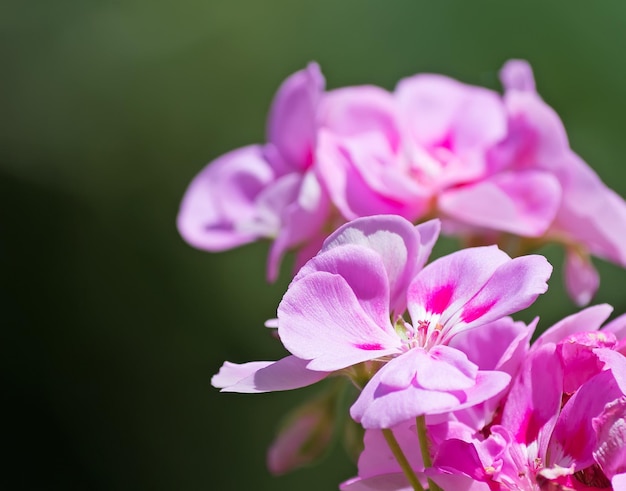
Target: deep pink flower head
<point>264,191</point>
<point>546,440</point>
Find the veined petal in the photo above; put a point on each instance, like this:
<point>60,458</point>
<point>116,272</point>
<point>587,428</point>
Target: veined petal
<point>334,323</point>
<point>574,438</point>
<point>610,429</point>
<point>444,368</point>
<point>383,406</point>
<point>403,248</point>
<point>475,286</point>
<point>513,287</point>
<point>266,376</point>
<point>447,283</point>
<point>534,401</point>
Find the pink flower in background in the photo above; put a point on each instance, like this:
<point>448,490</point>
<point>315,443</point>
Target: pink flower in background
<point>588,217</point>
<point>495,169</point>
<point>264,191</point>
<point>382,152</point>
<point>489,166</point>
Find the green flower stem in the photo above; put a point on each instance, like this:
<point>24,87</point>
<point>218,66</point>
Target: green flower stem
<point>425,449</point>
<point>401,458</point>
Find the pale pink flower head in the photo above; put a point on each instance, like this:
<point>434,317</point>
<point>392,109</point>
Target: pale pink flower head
<point>339,312</point>
<point>394,152</point>
<point>264,191</point>
<point>588,218</point>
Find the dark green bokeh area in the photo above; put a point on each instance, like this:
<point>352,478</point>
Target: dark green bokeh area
<point>112,325</point>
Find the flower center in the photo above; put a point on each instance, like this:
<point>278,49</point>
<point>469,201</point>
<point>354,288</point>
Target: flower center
<point>425,334</point>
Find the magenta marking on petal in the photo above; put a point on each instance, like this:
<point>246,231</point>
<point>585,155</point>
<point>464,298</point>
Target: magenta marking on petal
<point>369,346</point>
<point>529,428</point>
<point>439,299</point>
<point>472,313</point>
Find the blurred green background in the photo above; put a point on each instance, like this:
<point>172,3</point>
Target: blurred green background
<point>112,325</point>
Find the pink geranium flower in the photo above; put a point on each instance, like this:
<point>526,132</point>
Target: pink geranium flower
<point>264,191</point>
<point>343,313</point>
<point>337,314</point>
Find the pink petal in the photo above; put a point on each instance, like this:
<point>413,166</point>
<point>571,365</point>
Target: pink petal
<point>402,247</point>
<point>610,428</point>
<point>513,287</point>
<point>523,203</point>
<point>460,457</point>
<point>434,106</point>
<point>219,207</point>
<point>383,482</point>
<point>536,137</point>
<point>619,481</point>
<point>474,286</point>
<point>302,215</point>
<point>616,362</point>
<point>591,213</point>
<point>266,376</point>
<point>508,343</point>
<point>574,438</point>
<point>579,358</point>
<point>377,459</point>
<point>351,111</point>
<point>444,368</point>
<point>458,482</point>
<point>292,119</point>
<point>447,283</point>
<point>334,322</point>
<point>589,319</point>
<point>384,406</point>
<point>534,400</point>
<point>364,177</point>
<point>517,75</point>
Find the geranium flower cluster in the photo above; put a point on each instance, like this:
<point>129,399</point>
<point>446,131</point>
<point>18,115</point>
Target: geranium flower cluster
<point>496,169</point>
<point>451,394</point>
